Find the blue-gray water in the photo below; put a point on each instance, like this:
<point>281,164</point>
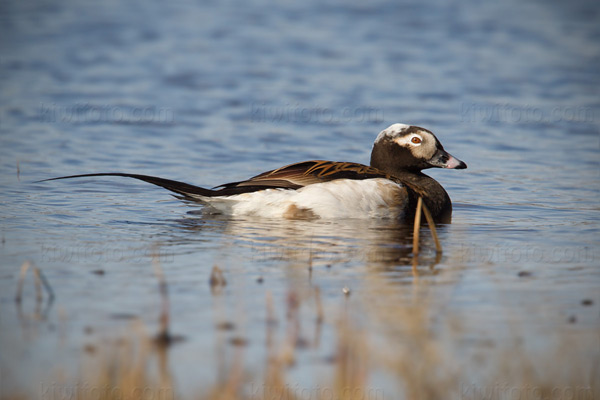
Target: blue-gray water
<point>213,92</point>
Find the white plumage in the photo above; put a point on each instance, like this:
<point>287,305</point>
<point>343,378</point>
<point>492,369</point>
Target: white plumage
<point>341,198</point>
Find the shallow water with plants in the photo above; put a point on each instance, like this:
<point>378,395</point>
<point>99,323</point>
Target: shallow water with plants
<point>221,91</point>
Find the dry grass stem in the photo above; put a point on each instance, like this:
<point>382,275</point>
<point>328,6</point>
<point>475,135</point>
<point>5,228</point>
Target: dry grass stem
<point>431,223</point>
<point>217,279</point>
<point>40,281</point>
<point>163,337</point>
<point>417,226</point>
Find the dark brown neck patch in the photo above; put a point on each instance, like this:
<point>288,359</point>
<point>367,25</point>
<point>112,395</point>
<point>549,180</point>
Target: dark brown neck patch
<point>434,195</point>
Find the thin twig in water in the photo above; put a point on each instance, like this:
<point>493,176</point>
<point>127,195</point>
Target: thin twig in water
<point>319,319</point>
<point>431,223</point>
<point>320,315</point>
<point>164,337</point>
<point>217,279</point>
<point>38,285</point>
<point>422,207</point>
<point>24,268</point>
<point>415,264</point>
<point>40,280</point>
<point>164,295</point>
<point>417,226</point>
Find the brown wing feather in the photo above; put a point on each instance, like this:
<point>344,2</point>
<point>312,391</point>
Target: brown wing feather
<point>292,176</point>
<point>295,176</point>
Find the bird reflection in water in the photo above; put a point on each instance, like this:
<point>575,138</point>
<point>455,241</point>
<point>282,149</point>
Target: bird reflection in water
<point>384,245</point>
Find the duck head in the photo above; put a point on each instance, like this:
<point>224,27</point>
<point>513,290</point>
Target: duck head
<point>401,148</point>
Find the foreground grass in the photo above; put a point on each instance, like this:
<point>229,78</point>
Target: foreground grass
<point>415,356</point>
<point>412,350</point>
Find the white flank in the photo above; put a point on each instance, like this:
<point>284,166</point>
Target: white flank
<point>341,198</point>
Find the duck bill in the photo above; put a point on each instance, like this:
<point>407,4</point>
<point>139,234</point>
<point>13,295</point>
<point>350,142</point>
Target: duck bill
<point>442,159</point>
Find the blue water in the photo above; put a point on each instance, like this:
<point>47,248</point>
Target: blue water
<point>214,92</point>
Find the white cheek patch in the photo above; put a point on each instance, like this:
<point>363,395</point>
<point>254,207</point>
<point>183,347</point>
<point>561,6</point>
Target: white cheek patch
<point>406,141</point>
<point>425,149</point>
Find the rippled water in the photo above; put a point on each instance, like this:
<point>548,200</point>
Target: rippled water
<point>219,91</point>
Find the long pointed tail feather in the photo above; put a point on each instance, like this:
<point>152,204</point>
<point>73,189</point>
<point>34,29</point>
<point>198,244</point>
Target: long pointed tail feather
<point>188,191</point>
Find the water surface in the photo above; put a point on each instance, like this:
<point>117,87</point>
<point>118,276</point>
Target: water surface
<point>219,91</point>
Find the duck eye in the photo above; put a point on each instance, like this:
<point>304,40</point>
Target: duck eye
<point>416,140</point>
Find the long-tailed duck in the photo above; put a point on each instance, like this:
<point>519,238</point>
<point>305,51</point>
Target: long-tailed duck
<point>388,188</point>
